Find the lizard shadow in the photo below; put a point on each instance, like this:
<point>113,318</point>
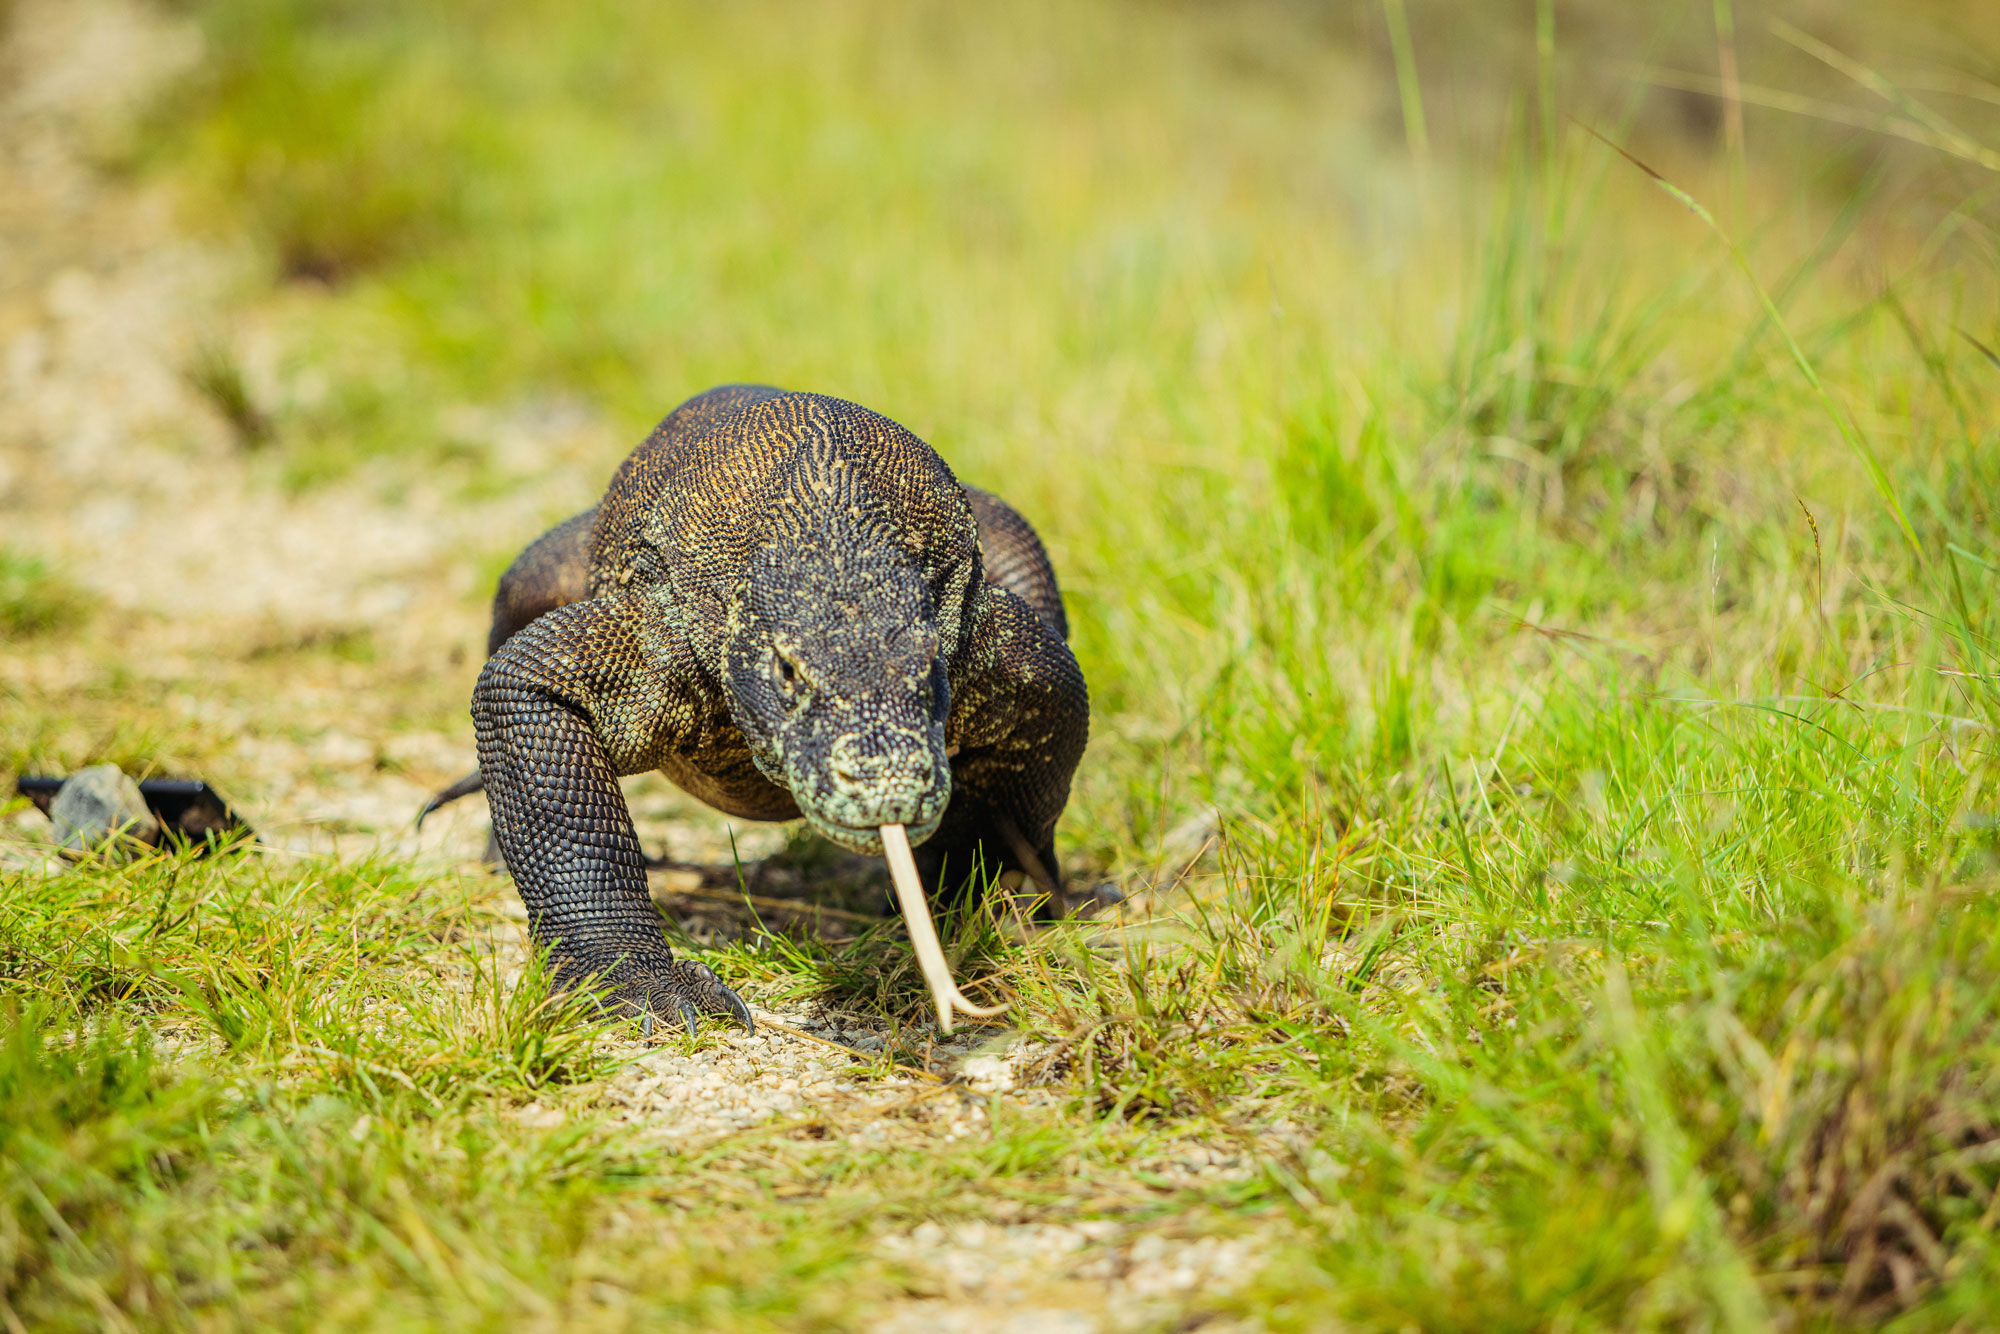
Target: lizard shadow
<point>831,915</point>
<point>807,878</point>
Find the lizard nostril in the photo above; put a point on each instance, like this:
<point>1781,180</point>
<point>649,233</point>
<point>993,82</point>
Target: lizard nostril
<point>885,775</point>
<point>858,774</point>
<point>858,763</point>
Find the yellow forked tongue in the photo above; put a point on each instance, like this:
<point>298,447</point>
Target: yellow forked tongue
<point>923,932</point>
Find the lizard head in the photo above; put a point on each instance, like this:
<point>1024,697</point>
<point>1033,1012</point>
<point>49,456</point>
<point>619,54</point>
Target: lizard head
<point>834,674</point>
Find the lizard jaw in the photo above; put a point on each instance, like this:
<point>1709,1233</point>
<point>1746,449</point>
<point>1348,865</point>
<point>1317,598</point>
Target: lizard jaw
<point>867,839</point>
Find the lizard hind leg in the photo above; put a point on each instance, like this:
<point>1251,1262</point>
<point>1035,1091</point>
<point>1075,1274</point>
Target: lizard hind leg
<point>1014,559</point>
<point>553,571</point>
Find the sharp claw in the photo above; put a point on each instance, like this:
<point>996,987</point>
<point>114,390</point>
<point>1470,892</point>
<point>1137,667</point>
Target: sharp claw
<point>690,1018</point>
<point>739,1009</point>
<point>472,782</point>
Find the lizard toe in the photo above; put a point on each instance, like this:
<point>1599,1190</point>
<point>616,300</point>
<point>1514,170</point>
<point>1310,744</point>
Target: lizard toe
<point>697,989</point>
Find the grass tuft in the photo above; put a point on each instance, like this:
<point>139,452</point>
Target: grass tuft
<point>217,376</point>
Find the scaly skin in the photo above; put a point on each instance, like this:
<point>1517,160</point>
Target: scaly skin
<point>789,606</point>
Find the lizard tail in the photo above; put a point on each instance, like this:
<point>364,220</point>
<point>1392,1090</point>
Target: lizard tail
<point>464,787</point>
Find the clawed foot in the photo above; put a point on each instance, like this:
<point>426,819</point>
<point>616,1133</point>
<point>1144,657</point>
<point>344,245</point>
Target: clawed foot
<point>684,990</point>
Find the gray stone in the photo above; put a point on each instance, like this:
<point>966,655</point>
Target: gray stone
<point>100,810</point>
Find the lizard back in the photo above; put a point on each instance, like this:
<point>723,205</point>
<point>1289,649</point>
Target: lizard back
<point>743,468</point>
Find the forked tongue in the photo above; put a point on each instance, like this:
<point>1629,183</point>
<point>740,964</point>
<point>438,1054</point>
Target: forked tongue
<point>923,932</point>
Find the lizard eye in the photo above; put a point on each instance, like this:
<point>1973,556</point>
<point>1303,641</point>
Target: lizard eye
<point>788,675</point>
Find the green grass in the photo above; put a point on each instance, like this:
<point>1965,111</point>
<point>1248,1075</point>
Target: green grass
<point>1600,933</point>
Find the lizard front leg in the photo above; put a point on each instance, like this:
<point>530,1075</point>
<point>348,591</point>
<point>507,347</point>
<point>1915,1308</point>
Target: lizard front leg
<point>586,693</point>
<point>1020,720</point>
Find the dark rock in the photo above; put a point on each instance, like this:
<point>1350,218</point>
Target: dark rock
<point>99,809</point>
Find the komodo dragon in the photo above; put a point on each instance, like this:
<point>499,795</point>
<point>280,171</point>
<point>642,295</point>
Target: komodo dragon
<point>788,606</point>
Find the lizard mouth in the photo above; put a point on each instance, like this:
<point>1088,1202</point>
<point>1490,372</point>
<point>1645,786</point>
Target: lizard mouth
<point>867,839</point>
